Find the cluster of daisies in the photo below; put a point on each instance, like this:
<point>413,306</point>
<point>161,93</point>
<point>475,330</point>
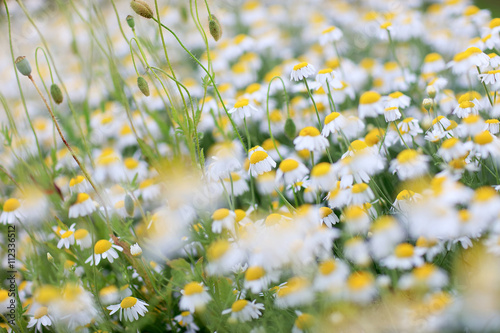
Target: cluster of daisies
<point>335,167</point>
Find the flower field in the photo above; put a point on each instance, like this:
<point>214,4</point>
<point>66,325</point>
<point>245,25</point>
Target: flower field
<point>249,166</point>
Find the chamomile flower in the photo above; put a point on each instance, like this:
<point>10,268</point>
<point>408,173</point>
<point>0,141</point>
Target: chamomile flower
<point>222,257</point>
<point>490,77</point>
<point>328,217</point>
<point>11,211</point>
<point>82,238</point>
<point>297,291</point>
<point>453,148</point>
<point>392,113</point>
<point>309,138</point>
<point>404,257</point>
<point>186,320</point>
<point>334,122</point>
<point>330,35</point>
<point>331,276</point>
<point>433,63</point>
<point>243,310</point>
<point>356,219</point>
<point>83,206</point>
<point>194,296</point>
<point>361,287</point>
<point>327,78</point>
<point>291,170</point>
<point>428,276</point>
<point>79,184</point>
<point>370,105</point>
<point>260,162</point>
<point>67,237</point>
<point>258,279</point>
<point>236,183</point>
<point>40,319</point>
<point>409,164</point>
<point>242,109</point>
<point>223,218</point>
<point>302,71</point>
<point>485,144</point>
<point>130,307</point>
<point>465,109</point>
<point>398,99</point>
<point>104,249</point>
<point>493,126</point>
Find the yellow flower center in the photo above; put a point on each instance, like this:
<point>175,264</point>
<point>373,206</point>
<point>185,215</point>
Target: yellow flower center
<point>492,121</point>
<point>467,105</point>
<point>359,280</point>
<point>484,193</point>
<point>289,165</point>
<point>471,10</point>
<point>383,223</point>
<point>258,156</point>
<point>125,130</point>
<point>239,305</point>
<point>299,66</point>
<point>252,88</point>
<point>473,50</point>
<point>293,285</point>
<point>359,188</point>
<point>396,94</point>
<point>320,169</point>
<point>76,180</point>
<point>304,321</point>
<point>254,273</point>
<point>483,138</point>
<point>81,234</point>
<point>275,116</point>
<point>40,312</point>
<point>391,66</point>
<point>324,212</point>
<point>329,29</point>
<point>11,205</point>
<point>424,272</point>
<point>131,163</point>
<point>81,197</point>
<point>325,71</point>
<point>449,143</point>
<point>220,214</point>
<point>373,137</point>
<point>272,219</point>
<point>146,183</point>
<point>331,117</point>
<point>309,131</point>
<point>44,294</point>
<point>385,25</point>
<point>369,97</point>
<point>241,103</point>
<point>67,234</point>
<point>102,246</point>
<point>404,250</point>
<point>407,156</point>
<point>358,145</point>
<point>4,294</point>
<point>353,212</point>
<point>217,249</point>
<point>405,195</point>
<point>193,288</point>
<point>431,57</point>
<point>327,267</point>
<point>240,215</point>
<point>128,302</point>
<point>494,23</point>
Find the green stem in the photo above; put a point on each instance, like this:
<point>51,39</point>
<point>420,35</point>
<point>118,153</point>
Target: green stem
<point>485,87</point>
<point>314,103</point>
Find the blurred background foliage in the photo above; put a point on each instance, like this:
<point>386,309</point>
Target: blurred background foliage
<point>493,5</point>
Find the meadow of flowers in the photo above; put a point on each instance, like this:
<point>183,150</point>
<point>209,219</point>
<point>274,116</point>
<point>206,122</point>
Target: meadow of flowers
<point>249,166</point>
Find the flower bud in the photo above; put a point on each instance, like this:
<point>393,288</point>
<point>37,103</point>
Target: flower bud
<point>427,103</point>
<point>129,205</point>
<point>135,250</point>
<point>290,128</point>
<point>130,21</point>
<point>23,66</point>
<point>143,85</point>
<point>50,258</point>
<point>56,93</point>
<point>142,8</point>
<point>215,27</point>
<point>431,91</point>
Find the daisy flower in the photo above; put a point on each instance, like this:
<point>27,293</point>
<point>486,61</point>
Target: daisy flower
<point>302,71</point>
<point>329,35</point>
<point>404,257</point>
<point>331,276</point>
<point>370,104</point>
<point>328,78</point>
<point>291,170</point>
<point>242,109</point>
<point>260,162</point>
<point>130,307</point>
<point>465,109</point>
<point>67,237</point>
<point>356,219</point>
<point>222,257</point>
<point>392,113</point>
<point>222,218</point>
<point>356,250</point>
<point>453,148</point>
<point>428,275</point>
<point>297,291</point>
<point>243,310</point>
<point>135,250</point>
<point>186,320</point>
<point>79,184</point>
<point>409,164</point>
<point>304,323</point>
<point>40,319</point>
<point>82,238</point>
<point>104,249</point>
<point>433,63</point>
<point>490,77</point>
<point>236,183</point>
<point>333,122</point>
<point>493,126</point>
<point>385,234</point>
<point>399,100</point>
<point>11,211</point>
<point>83,206</point>
<point>485,144</point>
<point>309,138</point>
<point>328,217</point>
<point>257,279</point>
<point>194,296</point>
<point>361,287</point>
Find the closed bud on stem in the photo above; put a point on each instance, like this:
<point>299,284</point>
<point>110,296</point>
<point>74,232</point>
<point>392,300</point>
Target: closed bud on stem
<point>50,258</point>
<point>130,21</point>
<point>215,27</point>
<point>427,103</point>
<point>290,128</point>
<point>129,205</point>
<point>23,66</point>
<point>143,85</point>
<point>431,91</point>
<point>56,93</point>
<point>142,8</point>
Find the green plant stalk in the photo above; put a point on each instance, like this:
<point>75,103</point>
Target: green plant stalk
<point>209,76</point>
<point>267,109</point>
<point>485,87</point>
<point>314,104</point>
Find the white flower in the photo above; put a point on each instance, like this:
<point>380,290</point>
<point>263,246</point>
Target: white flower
<point>309,138</point>
<point>82,238</point>
<point>79,184</point>
<point>223,218</point>
<point>260,161</point>
<point>404,257</point>
<point>130,307</point>
<point>83,206</point>
<point>104,249</point>
<point>135,250</point>
<point>11,211</point>
<point>39,319</point>
<point>242,109</point>
<point>194,296</point>
<point>291,170</point>
<point>243,310</point>
<point>329,35</point>
<point>370,104</point>
<point>409,164</point>
<point>67,237</point>
<point>302,71</point>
